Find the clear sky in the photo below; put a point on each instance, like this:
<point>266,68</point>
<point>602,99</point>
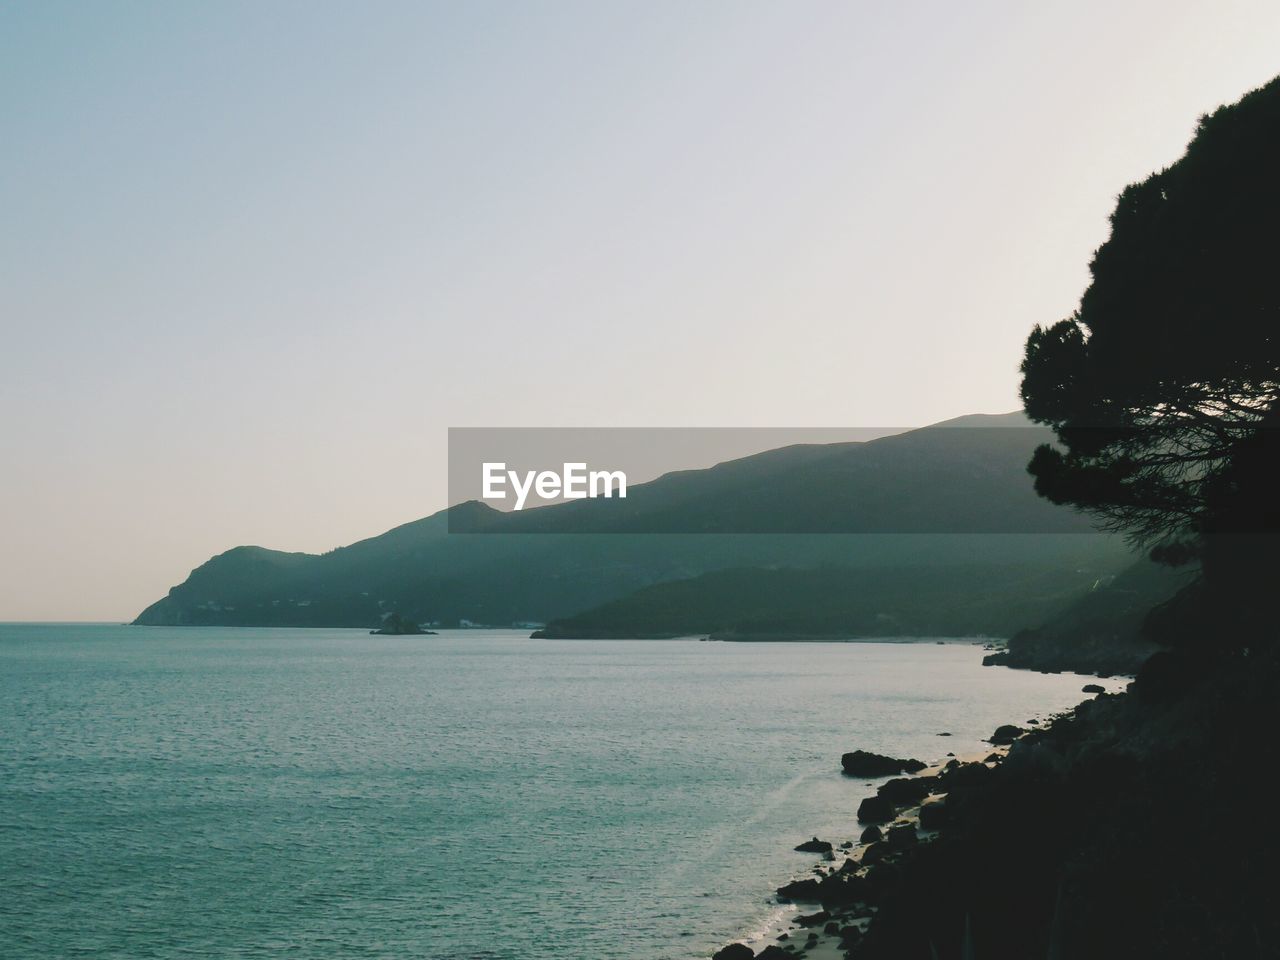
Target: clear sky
<point>257,257</point>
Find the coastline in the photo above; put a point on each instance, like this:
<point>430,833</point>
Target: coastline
<point>830,905</point>
<point>820,931</point>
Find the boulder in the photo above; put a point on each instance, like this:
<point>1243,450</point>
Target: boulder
<point>876,810</point>
<point>881,880</point>
<point>860,763</point>
<point>814,919</point>
<point>1006,734</point>
<point>906,791</point>
<point>965,776</point>
<point>1093,688</point>
<point>871,834</point>
<point>902,836</point>
<point>800,891</point>
<point>933,816</point>
<point>773,952</point>
<point>842,889</point>
<point>734,951</point>
<point>850,935</point>
<point>875,853</point>
<point>815,846</point>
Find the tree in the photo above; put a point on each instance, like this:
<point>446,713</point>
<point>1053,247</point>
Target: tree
<point>1162,387</point>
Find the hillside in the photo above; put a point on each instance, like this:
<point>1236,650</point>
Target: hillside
<point>928,600</point>
<point>948,494</point>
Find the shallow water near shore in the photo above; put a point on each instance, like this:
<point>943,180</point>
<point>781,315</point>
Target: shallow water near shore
<point>212,792</point>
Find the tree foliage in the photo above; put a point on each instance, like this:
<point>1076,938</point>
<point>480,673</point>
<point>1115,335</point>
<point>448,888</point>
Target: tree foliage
<point>1161,384</point>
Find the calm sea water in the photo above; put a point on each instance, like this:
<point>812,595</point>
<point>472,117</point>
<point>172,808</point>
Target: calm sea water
<point>326,793</point>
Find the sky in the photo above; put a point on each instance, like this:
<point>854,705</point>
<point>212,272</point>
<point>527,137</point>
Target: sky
<point>257,258</point>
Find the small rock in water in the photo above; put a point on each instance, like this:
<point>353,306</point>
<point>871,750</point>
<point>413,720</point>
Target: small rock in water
<point>860,763</point>
<point>1093,688</point>
<point>734,951</point>
<point>815,846</point>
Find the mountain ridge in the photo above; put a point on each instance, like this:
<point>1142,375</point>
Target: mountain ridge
<point>919,498</point>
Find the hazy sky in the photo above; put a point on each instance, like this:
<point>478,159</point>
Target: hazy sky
<point>257,257</point>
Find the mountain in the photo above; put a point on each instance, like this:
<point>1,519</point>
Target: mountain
<point>952,495</point>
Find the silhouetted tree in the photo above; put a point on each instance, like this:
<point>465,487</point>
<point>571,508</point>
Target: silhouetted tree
<point>1163,383</point>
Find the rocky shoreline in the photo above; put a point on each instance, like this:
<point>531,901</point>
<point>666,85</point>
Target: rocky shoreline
<point>1120,829</point>
<point>904,812</point>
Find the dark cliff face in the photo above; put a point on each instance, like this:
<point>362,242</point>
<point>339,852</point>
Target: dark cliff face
<point>939,495</point>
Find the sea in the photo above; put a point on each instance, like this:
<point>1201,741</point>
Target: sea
<point>476,795</point>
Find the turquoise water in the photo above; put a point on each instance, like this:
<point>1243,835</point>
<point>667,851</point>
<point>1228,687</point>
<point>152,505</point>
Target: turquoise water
<point>326,793</point>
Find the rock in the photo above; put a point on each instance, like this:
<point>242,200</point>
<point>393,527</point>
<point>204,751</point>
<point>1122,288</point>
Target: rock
<point>964,776</point>
<point>875,853</point>
<point>734,951</point>
<point>871,835</point>
<point>773,952</point>
<point>832,928</point>
<point>902,836</point>
<point>814,919</point>
<point>846,845</point>
<point>994,758</point>
<point>1006,734</point>
<point>881,880</point>
<point>800,891</point>
<point>1093,688</point>
<point>860,763</point>
<point>394,625</point>
<point>842,889</point>
<point>875,810</point>
<point>815,846</point>
<point>933,816</point>
<point>905,791</point>
<point>944,734</point>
